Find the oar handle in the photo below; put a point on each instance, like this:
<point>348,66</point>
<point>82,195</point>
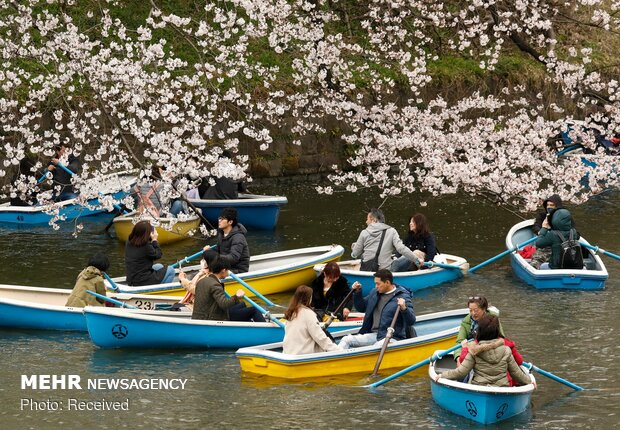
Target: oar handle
<point>111,300</point>
<point>498,256</point>
<point>340,306</point>
<point>256,293</point>
<point>190,258</point>
<point>113,285</point>
<point>552,376</point>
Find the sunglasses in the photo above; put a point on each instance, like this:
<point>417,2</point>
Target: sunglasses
<point>474,298</point>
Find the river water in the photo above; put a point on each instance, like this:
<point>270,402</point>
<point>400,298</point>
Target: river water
<point>570,333</point>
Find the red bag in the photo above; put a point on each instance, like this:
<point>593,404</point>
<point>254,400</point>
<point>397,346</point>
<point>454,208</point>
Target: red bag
<point>527,252</point>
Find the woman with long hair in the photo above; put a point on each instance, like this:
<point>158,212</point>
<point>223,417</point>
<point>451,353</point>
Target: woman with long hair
<point>141,250</point>
<point>329,290</point>
<point>302,334</point>
<point>420,240</point>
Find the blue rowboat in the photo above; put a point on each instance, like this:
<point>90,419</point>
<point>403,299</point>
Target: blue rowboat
<point>272,273</point>
<point>413,281</point>
<point>127,328</point>
<point>44,308</point>
<point>593,277</point>
<point>69,210</point>
<point>436,330</point>
<point>254,211</point>
<point>482,404</point>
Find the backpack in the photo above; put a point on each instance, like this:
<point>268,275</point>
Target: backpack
<point>571,256</point>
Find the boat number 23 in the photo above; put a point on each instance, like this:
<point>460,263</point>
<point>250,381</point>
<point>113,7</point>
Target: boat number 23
<point>144,305</point>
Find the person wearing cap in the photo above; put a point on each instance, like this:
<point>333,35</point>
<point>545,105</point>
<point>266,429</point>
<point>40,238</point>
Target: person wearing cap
<point>553,203</point>
<point>478,307</point>
<point>232,245</point>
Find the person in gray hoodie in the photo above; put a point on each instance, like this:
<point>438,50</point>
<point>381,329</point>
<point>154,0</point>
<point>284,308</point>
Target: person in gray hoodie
<point>368,241</point>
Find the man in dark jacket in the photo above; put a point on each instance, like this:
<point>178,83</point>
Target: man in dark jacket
<point>553,203</point>
<point>379,307</point>
<point>210,302</point>
<point>562,221</point>
<point>231,242</point>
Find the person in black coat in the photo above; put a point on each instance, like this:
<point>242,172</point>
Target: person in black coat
<point>62,178</point>
<point>141,251</point>
<point>232,245</point>
<point>552,204</point>
<point>420,240</point>
<point>329,289</point>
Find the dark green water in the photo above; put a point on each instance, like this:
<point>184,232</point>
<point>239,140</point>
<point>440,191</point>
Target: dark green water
<point>573,334</point>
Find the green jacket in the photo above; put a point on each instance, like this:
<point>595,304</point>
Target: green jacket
<point>210,301</point>
<point>465,329</point>
<point>90,279</point>
<point>490,360</point>
<point>563,222</point>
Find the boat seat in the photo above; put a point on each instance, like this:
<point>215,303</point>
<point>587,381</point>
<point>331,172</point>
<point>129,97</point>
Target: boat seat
<point>445,363</point>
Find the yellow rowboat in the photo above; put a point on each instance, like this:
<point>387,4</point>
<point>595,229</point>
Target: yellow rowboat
<point>271,273</point>
<point>434,331</point>
<point>169,229</point>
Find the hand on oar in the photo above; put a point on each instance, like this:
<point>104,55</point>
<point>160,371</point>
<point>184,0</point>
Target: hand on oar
<point>258,307</point>
<point>111,300</point>
<point>332,316</point>
<point>388,336</point>
<point>596,249</point>
<point>500,255</point>
<point>552,376</point>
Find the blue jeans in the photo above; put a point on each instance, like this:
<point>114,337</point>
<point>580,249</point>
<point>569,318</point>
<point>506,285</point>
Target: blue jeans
<point>169,276</point>
<point>401,264</point>
<point>177,207</point>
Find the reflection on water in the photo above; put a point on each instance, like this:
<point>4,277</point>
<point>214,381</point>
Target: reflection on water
<point>570,333</point>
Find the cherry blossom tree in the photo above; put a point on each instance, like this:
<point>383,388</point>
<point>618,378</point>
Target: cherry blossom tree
<point>179,86</point>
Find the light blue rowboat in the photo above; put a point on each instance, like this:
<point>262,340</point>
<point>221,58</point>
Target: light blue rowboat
<point>593,277</point>
<point>127,328</point>
<point>413,281</point>
<point>482,404</point>
<point>14,216</point>
<point>254,211</point>
<point>44,308</point>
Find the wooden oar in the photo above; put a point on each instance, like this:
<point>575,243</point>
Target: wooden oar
<point>111,300</point>
<point>256,293</point>
<point>260,309</point>
<point>431,264</point>
<point>332,315</point>
<point>601,250</point>
<point>552,376</point>
<point>412,367</point>
<point>386,341</point>
<point>498,256</point>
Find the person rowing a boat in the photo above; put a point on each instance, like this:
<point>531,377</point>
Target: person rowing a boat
<point>62,178</point>
<point>376,244</point>
<point>212,303</point>
<point>90,279</point>
<point>556,231</point>
<point>490,359</point>
<point>232,245</point>
<point>550,205</point>
<point>379,307</point>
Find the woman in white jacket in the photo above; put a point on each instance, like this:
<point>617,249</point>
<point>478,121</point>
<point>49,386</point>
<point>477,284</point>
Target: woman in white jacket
<point>302,334</point>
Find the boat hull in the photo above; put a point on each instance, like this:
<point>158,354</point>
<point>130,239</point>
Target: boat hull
<point>253,211</point>
<point>592,278</point>
<point>268,280</point>
<point>122,328</point>
<point>434,329</point>
<point>179,231</point>
<point>482,404</point>
<point>43,308</point>
<point>413,281</point>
